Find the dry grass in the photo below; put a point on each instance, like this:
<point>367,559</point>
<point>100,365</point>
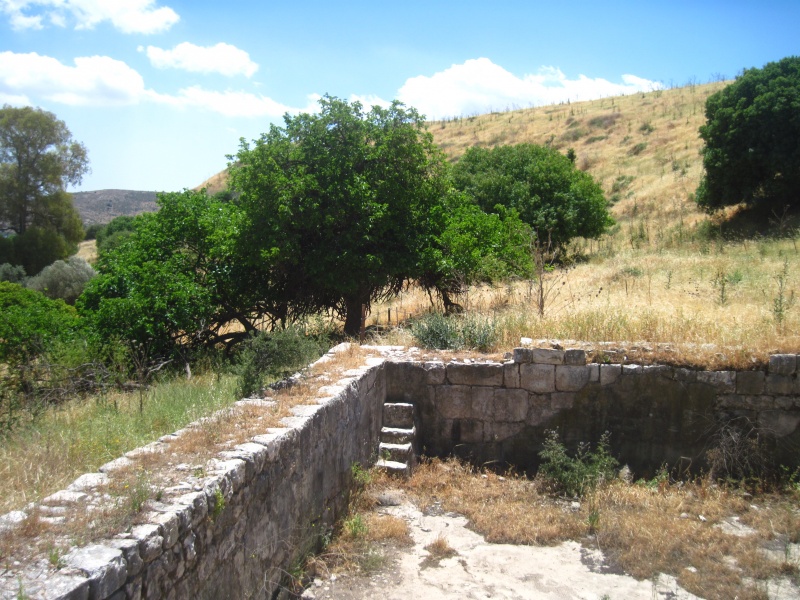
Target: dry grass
<point>131,487</point>
<point>87,250</point>
<point>643,529</point>
<point>440,548</point>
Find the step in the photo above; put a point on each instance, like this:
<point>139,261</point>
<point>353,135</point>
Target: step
<point>398,414</point>
<point>393,467</point>
<point>397,435</point>
<point>395,452</point>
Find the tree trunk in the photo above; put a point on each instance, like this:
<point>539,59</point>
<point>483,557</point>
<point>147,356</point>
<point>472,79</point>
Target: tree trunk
<point>352,321</point>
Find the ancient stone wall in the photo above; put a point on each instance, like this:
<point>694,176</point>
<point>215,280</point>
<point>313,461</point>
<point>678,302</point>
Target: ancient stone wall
<point>264,504</point>
<point>262,507</point>
<point>499,413</point>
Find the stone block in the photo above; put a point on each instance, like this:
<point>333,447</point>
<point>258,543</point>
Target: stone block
<point>571,379</point>
<point>750,382</point>
<point>103,566</point>
<point>453,401</point>
<point>540,379</point>
<point>150,541</point>
<point>62,586</point>
<point>510,405</point>
<point>434,373</point>
<point>130,552</point>
<point>562,401</point>
<point>780,385</point>
<point>545,356</point>
<point>609,374</point>
<point>170,527</point>
<point>523,355</point>
<point>594,373</point>
<point>685,375</point>
<point>783,364</point>
<point>575,357</point>
<point>500,431</point>
<point>198,504</point>
<point>511,375</point>
<point>471,431</point>
<point>723,381</point>
<point>481,403</point>
<point>471,374</point>
<point>632,369</point>
<point>778,422</point>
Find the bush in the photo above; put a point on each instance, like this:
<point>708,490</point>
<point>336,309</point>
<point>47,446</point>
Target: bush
<point>273,355</point>
<point>12,273</point>
<point>63,280</point>
<point>442,332</point>
<point>575,476</point>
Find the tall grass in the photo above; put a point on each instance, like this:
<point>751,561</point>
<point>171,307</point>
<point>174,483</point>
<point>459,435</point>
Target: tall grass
<point>45,455</point>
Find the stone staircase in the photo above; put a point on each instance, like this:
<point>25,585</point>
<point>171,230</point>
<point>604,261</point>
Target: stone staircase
<point>396,449</point>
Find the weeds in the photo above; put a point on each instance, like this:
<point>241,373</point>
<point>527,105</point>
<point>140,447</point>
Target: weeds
<point>453,332</point>
<point>576,476</point>
<point>784,299</point>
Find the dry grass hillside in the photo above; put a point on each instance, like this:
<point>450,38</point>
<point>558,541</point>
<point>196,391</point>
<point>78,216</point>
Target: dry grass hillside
<point>662,274</point>
<point>643,148</point>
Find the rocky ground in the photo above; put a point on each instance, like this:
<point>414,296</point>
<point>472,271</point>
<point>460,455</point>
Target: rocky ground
<point>480,570</point>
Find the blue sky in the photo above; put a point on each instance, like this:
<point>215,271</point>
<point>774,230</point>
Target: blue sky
<point>160,91</point>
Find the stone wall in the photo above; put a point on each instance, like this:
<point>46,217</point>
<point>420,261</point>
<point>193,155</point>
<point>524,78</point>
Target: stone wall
<point>262,506</point>
<point>499,413</point>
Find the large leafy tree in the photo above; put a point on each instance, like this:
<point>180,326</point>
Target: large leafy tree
<point>167,285</point>
<point>340,205</point>
<point>38,159</point>
<point>555,199</point>
<point>752,139</point>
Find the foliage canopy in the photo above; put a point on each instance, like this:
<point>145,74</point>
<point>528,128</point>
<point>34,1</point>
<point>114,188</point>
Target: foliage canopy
<point>340,205</point>
<point>558,201</point>
<point>38,159</point>
<point>752,139</point>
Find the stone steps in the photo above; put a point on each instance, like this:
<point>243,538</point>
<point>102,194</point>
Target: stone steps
<point>396,447</point>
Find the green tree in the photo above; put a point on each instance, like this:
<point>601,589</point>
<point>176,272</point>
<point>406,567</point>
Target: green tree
<point>31,323</point>
<point>341,206</point>
<point>752,139</point>
<point>558,201</point>
<point>38,159</point>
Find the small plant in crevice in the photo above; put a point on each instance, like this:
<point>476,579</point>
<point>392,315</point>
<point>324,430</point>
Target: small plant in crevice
<point>580,474</point>
<point>219,504</point>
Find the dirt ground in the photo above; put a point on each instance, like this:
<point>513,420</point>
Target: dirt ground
<point>480,570</point>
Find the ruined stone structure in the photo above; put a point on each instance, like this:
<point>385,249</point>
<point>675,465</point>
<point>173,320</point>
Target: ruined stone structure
<point>263,505</point>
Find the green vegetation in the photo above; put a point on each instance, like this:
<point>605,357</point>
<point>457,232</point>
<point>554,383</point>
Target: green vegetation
<point>455,332</point>
<point>558,201</point>
<point>751,152</point>
<point>339,209</point>
<point>38,159</point>
<point>580,474</point>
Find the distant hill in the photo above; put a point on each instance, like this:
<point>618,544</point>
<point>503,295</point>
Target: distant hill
<point>103,205</point>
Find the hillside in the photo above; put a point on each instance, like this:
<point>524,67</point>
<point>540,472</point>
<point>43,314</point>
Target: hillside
<point>103,205</point>
<point>643,149</point>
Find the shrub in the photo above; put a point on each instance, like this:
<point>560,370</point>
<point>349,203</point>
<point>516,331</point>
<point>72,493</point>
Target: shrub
<point>577,475</point>
<point>442,332</point>
<point>64,279</point>
<point>273,355</point>
<point>12,273</point>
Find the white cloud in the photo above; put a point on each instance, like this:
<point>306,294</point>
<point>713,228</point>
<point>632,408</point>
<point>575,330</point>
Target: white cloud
<point>231,103</point>
<point>221,58</point>
<point>128,16</point>
<point>370,100</point>
<point>479,85</point>
<point>14,100</point>
<point>93,81</point>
